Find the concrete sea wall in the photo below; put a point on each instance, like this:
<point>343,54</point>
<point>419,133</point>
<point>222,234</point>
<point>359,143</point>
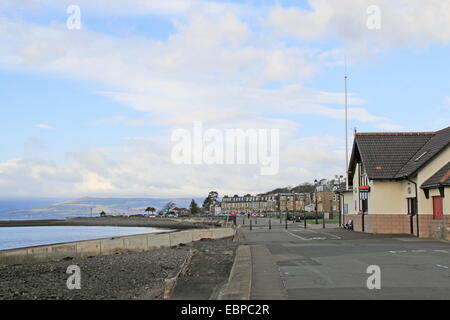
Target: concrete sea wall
<point>106,246</point>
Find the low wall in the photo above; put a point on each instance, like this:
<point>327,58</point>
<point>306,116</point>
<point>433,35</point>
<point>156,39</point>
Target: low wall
<point>381,223</point>
<point>401,224</point>
<point>86,248</point>
<point>440,229</point>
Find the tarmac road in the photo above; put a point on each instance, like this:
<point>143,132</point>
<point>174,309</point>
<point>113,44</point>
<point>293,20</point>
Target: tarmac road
<point>316,263</point>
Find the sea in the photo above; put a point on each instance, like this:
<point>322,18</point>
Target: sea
<point>19,237</point>
<point>44,208</point>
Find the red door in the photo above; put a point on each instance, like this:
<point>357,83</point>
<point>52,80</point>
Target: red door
<point>438,212</point>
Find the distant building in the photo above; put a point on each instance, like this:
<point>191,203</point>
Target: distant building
<point>281,202</point>
<point>327,199</point>
<point>294,202</point>
<point>400,183</point>
<point>249,204</point>
<point>215,208</point>
<point>180,211</point>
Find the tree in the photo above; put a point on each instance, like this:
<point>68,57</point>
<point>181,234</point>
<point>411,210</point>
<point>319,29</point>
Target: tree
<point>194,207</point>
<point>150,209</point>
<point>210,199</point>
<point>169,206</point>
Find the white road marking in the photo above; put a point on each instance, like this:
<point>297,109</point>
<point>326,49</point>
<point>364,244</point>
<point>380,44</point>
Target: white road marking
<point>441,266</point>
<point>417,251</point>
<point>441,251</point>
<point>294,235</point>
<point>326,233</point>
<point>313,238</point>
<point>330,234</point>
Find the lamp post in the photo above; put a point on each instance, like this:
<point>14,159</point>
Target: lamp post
<point>323,219</point>
<point>315,196</point>
<point>285,220</point>
<point>304,219</point>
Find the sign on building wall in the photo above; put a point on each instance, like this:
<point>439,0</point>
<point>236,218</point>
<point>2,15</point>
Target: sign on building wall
<point>410,190</point>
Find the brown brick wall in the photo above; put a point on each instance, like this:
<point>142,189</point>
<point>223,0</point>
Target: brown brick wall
<point>400,224</point>
<point>381,223</point>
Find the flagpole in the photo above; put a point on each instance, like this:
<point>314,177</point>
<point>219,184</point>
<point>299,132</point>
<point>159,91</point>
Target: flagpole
<point>346,125</point>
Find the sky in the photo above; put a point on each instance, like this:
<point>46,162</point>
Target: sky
<point>90,111</point>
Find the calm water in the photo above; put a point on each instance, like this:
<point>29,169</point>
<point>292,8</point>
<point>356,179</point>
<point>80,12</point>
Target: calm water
<point>17,237</point>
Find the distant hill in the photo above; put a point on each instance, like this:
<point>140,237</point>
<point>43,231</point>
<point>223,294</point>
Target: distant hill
<point>14,204</point>
<point>82,207</point>
<point>303,188</point>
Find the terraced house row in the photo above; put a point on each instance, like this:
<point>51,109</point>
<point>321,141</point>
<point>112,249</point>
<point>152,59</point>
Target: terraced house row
<point>327,201</point>
<point>400,183</point>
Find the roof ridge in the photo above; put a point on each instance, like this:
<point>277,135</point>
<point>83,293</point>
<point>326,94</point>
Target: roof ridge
<point>430,133</point>
<point>439,151</point>
<point>405,133</point>
<point>439,131</point>
<point>407,162</point>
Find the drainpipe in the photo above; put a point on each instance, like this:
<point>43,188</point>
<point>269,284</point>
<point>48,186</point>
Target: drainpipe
<point>417,205</point>
<point>362,221</point>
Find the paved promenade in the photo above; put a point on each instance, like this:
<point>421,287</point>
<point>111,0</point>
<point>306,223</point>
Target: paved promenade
<point>331,263</point>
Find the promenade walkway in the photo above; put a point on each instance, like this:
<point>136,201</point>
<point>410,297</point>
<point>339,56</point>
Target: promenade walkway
<point>331,263</point>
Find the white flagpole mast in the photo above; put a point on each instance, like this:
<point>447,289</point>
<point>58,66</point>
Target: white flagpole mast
<point>346,126</point>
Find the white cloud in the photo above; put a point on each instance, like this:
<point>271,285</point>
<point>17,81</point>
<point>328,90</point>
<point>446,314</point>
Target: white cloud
<point>212,77</point>
<point>142,167</point>
<point>44,126</point>
<point>126,120</point>
<point>214,68</point>
<point>124,8</point>
<point>404,23</point>
<point>8,165</point>
<point>207,31</point>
